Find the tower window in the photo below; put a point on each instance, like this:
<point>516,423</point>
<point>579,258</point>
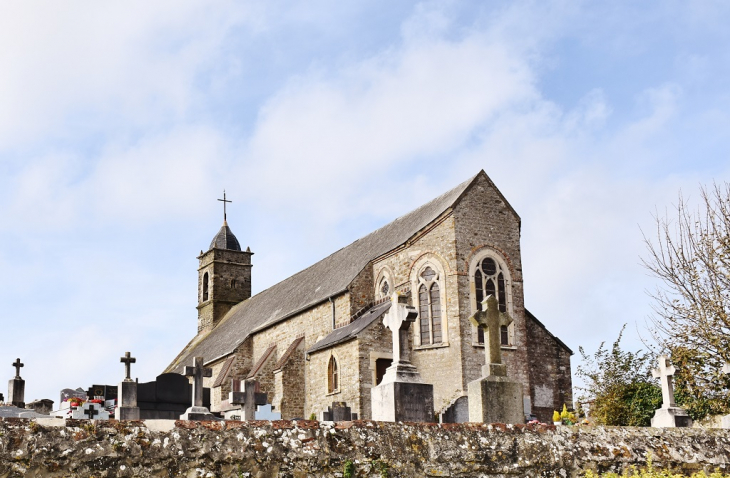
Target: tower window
<point>332,375</point>
<point>205,287</point>
<point>429,308</point>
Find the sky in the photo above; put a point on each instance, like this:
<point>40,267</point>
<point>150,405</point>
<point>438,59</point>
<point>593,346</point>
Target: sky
<point>121,123</point>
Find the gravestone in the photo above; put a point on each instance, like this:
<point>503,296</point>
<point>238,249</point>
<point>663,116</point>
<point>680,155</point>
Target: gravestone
<point>67,393</point>
<point>401,395</point>
<point>338,412</point>
<point>245,401</point>
<point>167,397</point>
<point>127,408</point>
<point>41,407</point>
<point>16,387</point>
<point>670,415</point>
<point>197,411</point>
<point>90,411</point>
<point>494,398</point>
<point>102,392</point>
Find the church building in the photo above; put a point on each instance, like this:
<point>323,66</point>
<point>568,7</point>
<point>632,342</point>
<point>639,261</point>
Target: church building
<point>317,337</point>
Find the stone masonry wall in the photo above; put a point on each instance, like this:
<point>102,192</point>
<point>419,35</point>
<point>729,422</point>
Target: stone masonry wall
<point>290,392</point>
<point>376,341</point>
<point>438,364</point>
<point>239,370</point>
<point>284,449</point>
<point>550,381</point>
<point>318,399</point>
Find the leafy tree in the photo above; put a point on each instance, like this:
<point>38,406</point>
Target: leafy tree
<point>620,385</point>
<point>691,258</point>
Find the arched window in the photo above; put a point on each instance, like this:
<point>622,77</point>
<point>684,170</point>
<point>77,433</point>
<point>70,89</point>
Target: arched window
<point>490,279</point>
<point>205,287</point>
<point>429,307</point>
<point>385,288</point>
<point>332,375</point>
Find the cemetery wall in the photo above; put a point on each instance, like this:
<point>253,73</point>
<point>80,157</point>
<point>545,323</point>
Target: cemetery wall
<point>321,449</point>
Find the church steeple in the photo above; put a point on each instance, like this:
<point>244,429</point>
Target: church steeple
<point>224,276</point>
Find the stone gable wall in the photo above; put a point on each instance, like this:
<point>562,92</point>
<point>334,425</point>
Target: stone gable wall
<point>166,449</point>
<point>485,221</point>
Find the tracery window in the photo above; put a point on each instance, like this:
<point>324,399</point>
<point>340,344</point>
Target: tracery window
<point>384,288</point>
<point>205,287</point>
<point>332,375</point>
<point>429,307</point>
<point>490,279</point>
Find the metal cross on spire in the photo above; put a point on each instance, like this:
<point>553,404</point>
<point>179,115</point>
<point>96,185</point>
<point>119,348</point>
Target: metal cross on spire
<point>224,200</point>
<point>128,360</point>
<point>17,366</point>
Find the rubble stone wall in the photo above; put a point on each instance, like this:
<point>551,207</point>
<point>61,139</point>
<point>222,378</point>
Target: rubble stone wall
<point>301,449</point>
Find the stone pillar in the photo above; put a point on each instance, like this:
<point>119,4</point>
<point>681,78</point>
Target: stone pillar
<point>494,398</point>
<point>127,408</point>
<point>670,415</point>
<point>401,395</point>
<point>16,392</point>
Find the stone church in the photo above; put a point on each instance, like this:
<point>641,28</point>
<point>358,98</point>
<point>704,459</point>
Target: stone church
<point>317,337</point>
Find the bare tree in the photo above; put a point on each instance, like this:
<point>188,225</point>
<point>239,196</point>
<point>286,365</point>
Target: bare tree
<point>691,257</point>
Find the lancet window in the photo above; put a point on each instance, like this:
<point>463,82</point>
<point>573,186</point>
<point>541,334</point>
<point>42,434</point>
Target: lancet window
<point>490,278</point>
<point>332,375</point>
<point>429,307</point>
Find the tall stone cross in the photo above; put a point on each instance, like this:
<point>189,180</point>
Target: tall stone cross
<point>249,398</point>
<point>198,372</point>
<point>17,366</point>
<point>492,320</point>
<point>398,319</point>
<point>128,360</point>
<point>664,373</point>
<point>224,200</point>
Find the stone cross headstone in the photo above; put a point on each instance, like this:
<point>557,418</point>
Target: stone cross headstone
<point>249,399</point>
<point>16,387</point>
<point>491,320</point>
<point>401,395</point>
<point>128,360</point>
<point>669,415</point>
<point>664,372</point>
<point>494,398</point>
<point>127,408</point>
<point>90,411</point>
<point>198,372</point>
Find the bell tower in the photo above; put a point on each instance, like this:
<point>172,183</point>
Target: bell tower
<point>224,276</point>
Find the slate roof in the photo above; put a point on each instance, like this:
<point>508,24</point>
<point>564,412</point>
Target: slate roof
<point>225,239</point>
<point>350,331</point>
<point>327,278</point>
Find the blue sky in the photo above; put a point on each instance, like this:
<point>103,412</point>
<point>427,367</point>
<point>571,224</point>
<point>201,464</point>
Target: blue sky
<point>121,124</point>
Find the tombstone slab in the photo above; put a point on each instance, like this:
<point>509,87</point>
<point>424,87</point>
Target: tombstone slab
<point>401,395</point>
<point>90,411</point>
<point>670,415</point>
<point>494,398</point>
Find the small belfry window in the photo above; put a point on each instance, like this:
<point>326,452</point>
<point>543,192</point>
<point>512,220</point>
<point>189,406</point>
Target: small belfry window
<point>489,279</point>
<point>205,287</point>
<point>332,375</point>
<point>429,308</point>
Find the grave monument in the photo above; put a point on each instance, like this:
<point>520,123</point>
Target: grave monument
<point>402,395</point>
<point>494,398</point>
<point>338,412</point>
<point>127,408</point>
<point>16,387</point>
<point>670,415</point>
<point>198,372</point>
<point>244,402</point>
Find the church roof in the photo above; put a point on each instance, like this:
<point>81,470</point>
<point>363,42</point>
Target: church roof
<point>351,330</point>
<point>327,278</point>
<point>225,239</point>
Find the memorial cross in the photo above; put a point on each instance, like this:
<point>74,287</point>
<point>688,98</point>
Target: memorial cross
<point>664,373</point>
<point>224,200</point>
<point>17,366</point>
<point>398,319</point>
<point>128,360</point>
<point>249,398</point>
<point>198,372</point>
<point>91,412</point>
<point>491,320</point>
